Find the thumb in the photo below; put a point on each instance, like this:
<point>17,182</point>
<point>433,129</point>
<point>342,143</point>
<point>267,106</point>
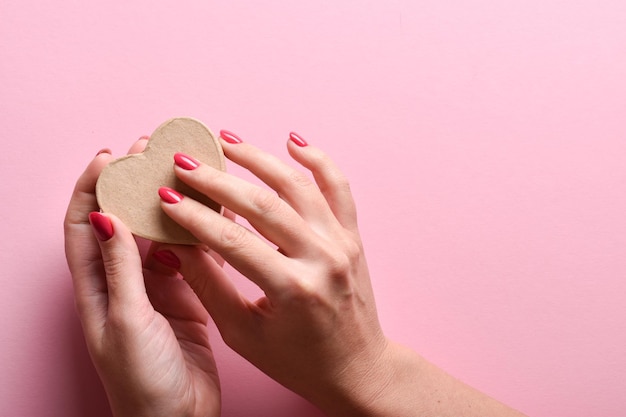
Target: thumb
<point>122,263</point>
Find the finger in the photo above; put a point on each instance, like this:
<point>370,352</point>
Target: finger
<point>263,209</point>
<point>173,297</point>
<point>166,267</point>
<point>122,266</point>
<point>332,183</point>
<point>152,264</point>
<point>81,249</point>
<point>139,145</point>
<point>83,199</point>
<point>231,216</point>
<point>176,301</point>
<point>241,248</point>
<point>227,306</point>
<point>293,186</point>
<point>218,258</point>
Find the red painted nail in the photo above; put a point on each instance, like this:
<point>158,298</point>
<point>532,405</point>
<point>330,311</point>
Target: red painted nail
<point>102,226</point>
<point>230,137</point>
<point>297,139</point>
<point>186,162</point>
<point>170,196</point>
<point>167,258</point>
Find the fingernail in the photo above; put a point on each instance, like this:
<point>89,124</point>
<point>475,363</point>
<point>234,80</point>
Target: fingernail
<point>186,162</point>
<point>230,137</point>
<point>104,150</point>
<point>297,139</point>
<point>167,258</point>
<point>144,137</point>
<point>102,226</point>
<point>170,196</point>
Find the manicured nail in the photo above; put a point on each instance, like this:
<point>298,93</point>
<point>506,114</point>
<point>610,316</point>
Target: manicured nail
<point>186,162</point>
<point>102,226</point>
<point>105,150</point>
<point>170,196</point>
<point>167,258</point>
<point>297,139</point>
<point>230,137</point>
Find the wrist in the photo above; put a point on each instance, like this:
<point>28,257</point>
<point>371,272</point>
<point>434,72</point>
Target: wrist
<point>374,386</point>
<point>401,383</point>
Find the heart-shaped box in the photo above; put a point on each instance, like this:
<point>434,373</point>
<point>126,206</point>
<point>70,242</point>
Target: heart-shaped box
<point>128,186</point>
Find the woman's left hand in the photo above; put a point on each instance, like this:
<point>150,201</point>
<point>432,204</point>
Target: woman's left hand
<point>145,328</point>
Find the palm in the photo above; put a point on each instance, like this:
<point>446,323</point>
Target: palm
<point>165,363</point>
<point>173,358</point>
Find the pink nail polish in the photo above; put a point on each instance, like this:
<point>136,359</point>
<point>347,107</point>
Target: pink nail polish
<point>170,196</point>
<point>297,139</point>
<point>186,162</point>
<point>102,226</point>
<point>167,258</point>
<point>230,137</point>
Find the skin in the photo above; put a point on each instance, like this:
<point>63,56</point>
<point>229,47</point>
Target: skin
<point>144,327</point>
<point>315,330</point>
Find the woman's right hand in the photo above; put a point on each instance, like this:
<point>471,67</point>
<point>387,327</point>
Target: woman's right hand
<point>316,329</point>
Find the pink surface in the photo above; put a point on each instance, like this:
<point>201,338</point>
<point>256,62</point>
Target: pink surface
<point>485,141</point>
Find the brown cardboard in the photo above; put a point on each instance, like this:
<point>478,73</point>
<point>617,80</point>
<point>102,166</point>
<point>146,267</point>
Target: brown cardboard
<point>128,187</point>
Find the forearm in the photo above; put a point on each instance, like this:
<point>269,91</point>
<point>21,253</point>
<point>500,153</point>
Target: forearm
<point>403,384</point>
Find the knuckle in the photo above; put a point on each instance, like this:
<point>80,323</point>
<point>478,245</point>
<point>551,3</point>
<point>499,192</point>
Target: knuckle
<point>300,284</point>
<point>353,251</point>
<point>339,265</point>
<point>233,236</point>
<point>264,201</point>
<point>114,264</point>
<point>301,288</point>
<point>306,293</point>
<point>299,179</point>
<point>342,258</point>
<point>341,183</point>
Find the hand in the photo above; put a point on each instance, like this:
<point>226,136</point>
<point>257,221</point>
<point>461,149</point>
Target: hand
<point>145,328</point>
<point>316,329</point>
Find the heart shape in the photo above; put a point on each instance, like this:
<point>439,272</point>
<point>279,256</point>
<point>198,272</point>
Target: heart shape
<point>128,186</point>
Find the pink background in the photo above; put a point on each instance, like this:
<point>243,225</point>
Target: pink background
<point>485,141</point>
